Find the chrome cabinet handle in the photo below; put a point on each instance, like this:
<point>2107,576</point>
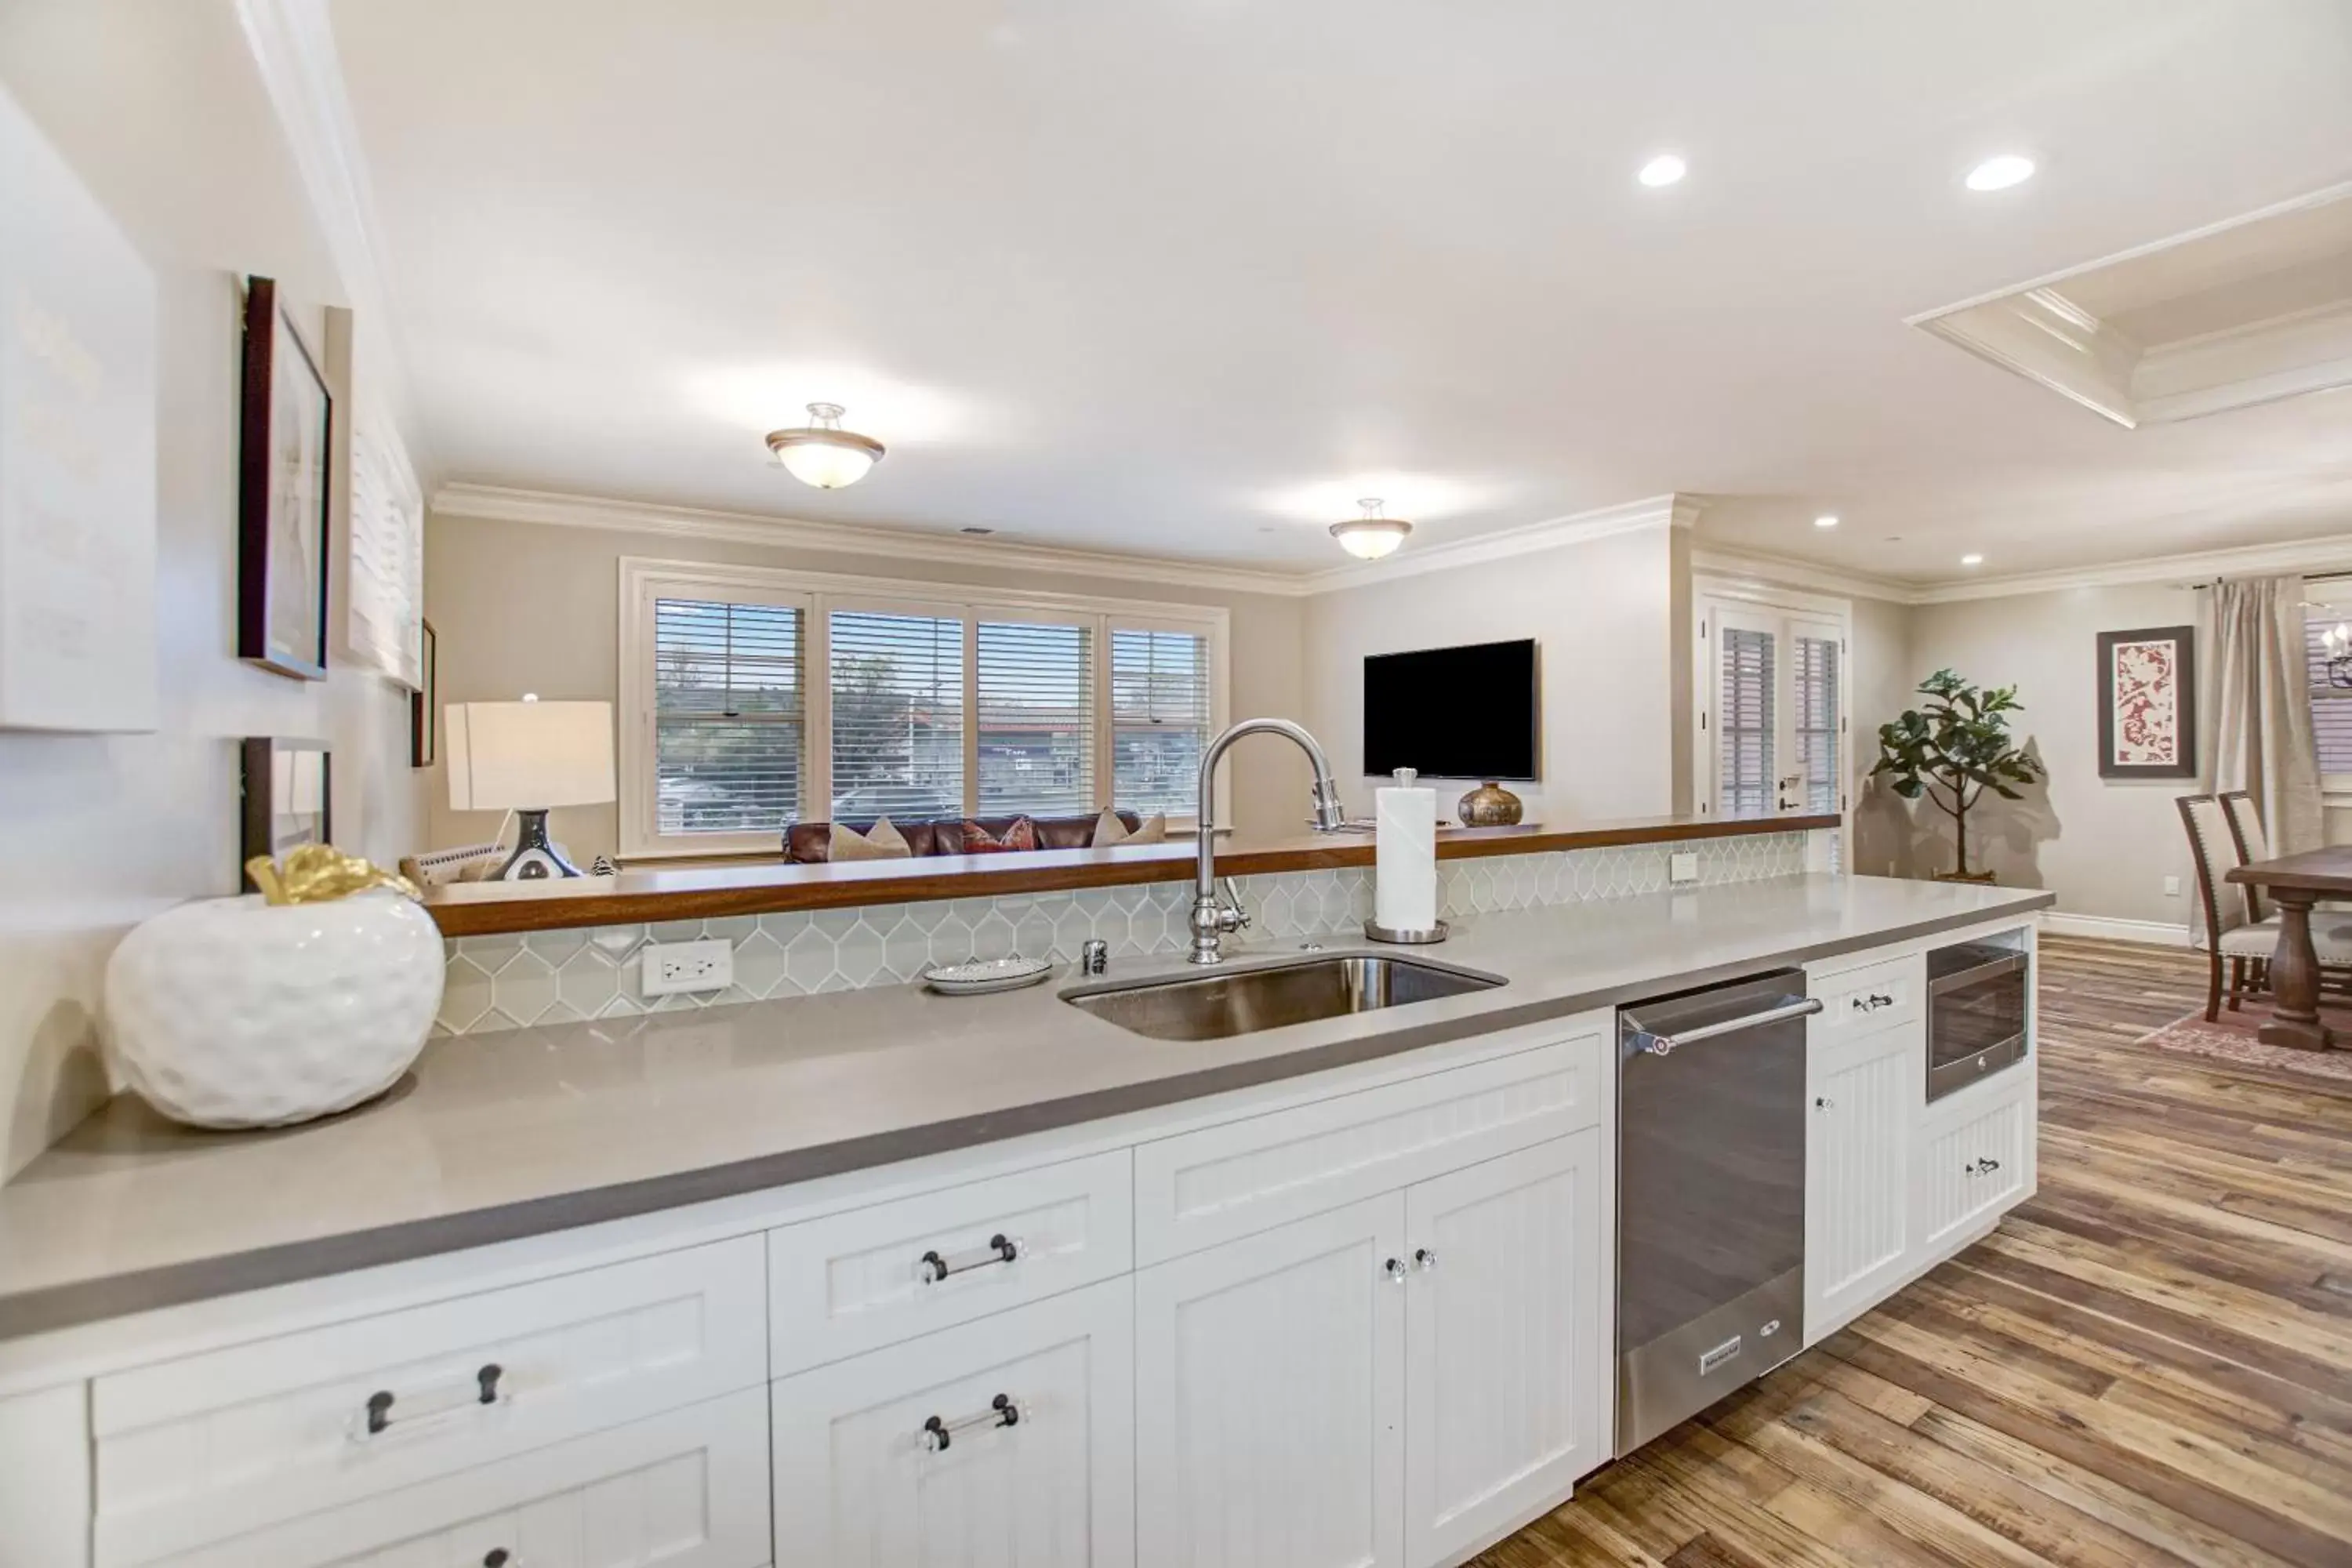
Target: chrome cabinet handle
<point>938,1435</point>
<point>1873,1002</point>
<point>1424,1259</point>
<point>931,1269</point>
<point>1983,1167</point>
<point>1394,1269</point>
<point>1823,1102</point>
<point>379,1403</point>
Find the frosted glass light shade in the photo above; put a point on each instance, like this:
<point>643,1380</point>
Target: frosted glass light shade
<point>529,756</point>
<point>1370,538</point>
<point>826,466</point>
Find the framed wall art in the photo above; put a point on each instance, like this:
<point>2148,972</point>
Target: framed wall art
<point>2147,703</point>
<point>283,473</point>
<point>286,792</point>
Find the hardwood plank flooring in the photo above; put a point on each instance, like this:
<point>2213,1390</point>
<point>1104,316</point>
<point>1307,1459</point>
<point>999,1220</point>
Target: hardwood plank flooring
<point>2148,1364</point>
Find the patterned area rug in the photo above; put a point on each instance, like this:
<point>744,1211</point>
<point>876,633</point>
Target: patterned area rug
<point>2233,1038</point>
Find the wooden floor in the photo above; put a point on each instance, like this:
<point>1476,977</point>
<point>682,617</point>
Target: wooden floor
<point>2148,1363</point>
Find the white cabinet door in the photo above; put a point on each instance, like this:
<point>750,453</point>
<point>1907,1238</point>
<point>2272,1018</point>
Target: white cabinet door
<point>1507,1380</point>
<point>1974,1161</point>
<point>1865,1095</point>
<point>1269,1397</point>
<point>865,1480</point>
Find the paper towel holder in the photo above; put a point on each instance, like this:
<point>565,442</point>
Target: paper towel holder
<point>1379,932</point>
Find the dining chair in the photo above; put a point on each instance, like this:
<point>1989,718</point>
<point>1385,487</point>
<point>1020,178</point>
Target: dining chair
<point>2252,844</point>
<point>2228,932</point>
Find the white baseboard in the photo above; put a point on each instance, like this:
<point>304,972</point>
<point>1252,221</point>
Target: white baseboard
<point>2157,933</point>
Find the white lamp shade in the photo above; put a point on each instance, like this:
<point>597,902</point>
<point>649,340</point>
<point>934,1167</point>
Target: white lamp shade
<point>527,756</point>
<point>825,465</point>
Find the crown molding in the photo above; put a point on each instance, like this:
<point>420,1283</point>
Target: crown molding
<point>293,43</point>
<point>1781,571</point>
<point>2299,556</point>
<point>554,510</point>
<point>1655,511</point>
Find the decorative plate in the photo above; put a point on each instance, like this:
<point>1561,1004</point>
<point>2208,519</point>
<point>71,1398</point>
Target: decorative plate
<point>985,975</point>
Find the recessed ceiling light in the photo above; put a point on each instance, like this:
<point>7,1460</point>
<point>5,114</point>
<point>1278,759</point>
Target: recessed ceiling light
<point>1663,170</point>
<point>1998,174</point>
<point>1827,520</point>
<point>1972,559</point>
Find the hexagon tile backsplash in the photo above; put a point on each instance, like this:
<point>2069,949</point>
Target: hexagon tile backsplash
<point>561,976</point>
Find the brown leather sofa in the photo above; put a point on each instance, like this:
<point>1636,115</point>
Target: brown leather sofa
<point>809,842</point>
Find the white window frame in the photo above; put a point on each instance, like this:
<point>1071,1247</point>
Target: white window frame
<point>1710,596</point>
<point>817,594</point>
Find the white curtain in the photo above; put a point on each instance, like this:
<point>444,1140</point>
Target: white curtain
<point>2261,708</point>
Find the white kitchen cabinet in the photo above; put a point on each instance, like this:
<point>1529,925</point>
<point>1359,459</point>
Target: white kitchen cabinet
<point>1975,1159</point>
<point>1864,1096</point>
<point>1007,1441</point>
<point>1507,1387</point>
<point>1270,1397</point>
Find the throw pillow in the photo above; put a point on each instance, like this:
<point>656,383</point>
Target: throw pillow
<point>1110,830</point>
<point>881,842</point>
<point>1020,836</point>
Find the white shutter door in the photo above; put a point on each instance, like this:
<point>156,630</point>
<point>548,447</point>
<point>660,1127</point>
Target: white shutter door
<point>728,717</point>
<point>1036,717</point>
<point>1159,718</point>
<point>1814,710</point>
<point>1747,674</point>
<point>897,687</point>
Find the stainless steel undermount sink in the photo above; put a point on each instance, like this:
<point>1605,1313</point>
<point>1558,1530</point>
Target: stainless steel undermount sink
<point>1244,1001</point>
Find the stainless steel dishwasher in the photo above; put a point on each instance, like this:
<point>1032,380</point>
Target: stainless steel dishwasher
<point>1710,1196</point>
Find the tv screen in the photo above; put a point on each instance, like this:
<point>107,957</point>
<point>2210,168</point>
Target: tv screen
<point>1453,712</point>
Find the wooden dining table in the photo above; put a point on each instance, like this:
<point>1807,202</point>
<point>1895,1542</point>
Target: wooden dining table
<point>2294,883</point>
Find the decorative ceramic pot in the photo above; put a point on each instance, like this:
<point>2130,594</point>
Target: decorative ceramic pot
<point>1489,805</point>
<point>238,1013</point>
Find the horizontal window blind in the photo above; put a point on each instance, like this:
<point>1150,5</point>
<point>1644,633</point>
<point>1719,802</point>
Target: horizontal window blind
<point>1159,718</point>
<point>897,687</point>
<point>1036,718</point>
<point>2331,705</point>
<point>1817,720</point>
<point>729,721</point>
<point>1744,720</point>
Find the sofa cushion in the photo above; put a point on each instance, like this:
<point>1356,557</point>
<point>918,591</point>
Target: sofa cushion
<point>1112,827</point>
<point>1020,836</point>
<point>881,842</point>
<point>811,843</point>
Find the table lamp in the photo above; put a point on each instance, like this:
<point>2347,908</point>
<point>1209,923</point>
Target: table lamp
<point>529,757</point>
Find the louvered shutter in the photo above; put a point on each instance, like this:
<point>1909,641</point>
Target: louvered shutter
<point>897,687</point>
<point>1159,718</point>
<point>1036,718</point>
<point>1817,720</point>
<point>1744,722</point>
<point>728,718</point>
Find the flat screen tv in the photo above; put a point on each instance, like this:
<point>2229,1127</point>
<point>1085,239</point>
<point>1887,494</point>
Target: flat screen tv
<point>1453,712</point>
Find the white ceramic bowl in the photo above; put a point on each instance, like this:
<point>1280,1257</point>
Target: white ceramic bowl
<point>230,1013</point>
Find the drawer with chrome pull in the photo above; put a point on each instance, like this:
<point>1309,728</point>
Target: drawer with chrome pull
<point>197,1450</point>
<point>1865,1000</point>
<point>852,1282</point>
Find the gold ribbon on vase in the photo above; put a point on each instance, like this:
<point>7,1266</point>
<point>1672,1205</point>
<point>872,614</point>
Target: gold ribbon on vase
<point>318,872</point>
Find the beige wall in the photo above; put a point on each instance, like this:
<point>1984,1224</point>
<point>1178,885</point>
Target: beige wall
<point>1613,632</point>
<point>531,608</point>
<point>159,111</point>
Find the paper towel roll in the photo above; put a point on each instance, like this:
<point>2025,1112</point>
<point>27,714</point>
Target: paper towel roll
<point>1404,859</point>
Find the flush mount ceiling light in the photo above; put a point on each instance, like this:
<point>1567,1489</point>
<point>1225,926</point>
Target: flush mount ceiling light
<point>1663,170</point>
<point>1370,536</point>
<point>822,453</point>
<point>1998,174</point>
<point>1827,520</point>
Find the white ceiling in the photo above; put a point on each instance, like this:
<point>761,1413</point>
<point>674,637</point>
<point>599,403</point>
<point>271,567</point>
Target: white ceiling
<point>1185,276</point>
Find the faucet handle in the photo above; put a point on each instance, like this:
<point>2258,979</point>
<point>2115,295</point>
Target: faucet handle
<point>1231,916</point>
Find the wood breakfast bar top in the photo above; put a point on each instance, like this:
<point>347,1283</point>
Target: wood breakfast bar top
<point>2294,883</point>
<point>717,890</point>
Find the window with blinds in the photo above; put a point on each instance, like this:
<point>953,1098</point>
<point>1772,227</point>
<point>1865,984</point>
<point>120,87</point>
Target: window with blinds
<point>1744,722</point>
<point>895,682</point>
<point>1159,713</point>
<point>2331,705</point>
<point>1816,674</point>
<point>728,721</point>
<point>1036,696</point>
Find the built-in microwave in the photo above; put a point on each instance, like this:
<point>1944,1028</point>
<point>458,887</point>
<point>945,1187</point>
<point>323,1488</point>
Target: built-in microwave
<point>1977,998</point>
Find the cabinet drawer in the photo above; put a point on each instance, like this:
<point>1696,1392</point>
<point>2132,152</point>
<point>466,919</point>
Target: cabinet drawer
<point>1877,996</point>
<point>852,1282</point>
<point>684,1490</point>
<point>1200,1188</point>
<point>863,1479</point>
<point>228,1442</point>
<point>1973,1167</point>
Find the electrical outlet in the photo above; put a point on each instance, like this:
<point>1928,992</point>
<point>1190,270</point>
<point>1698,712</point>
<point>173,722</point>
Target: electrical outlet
<point>675,966</point>
<point>2172,886</point>
<point>1682,867</point>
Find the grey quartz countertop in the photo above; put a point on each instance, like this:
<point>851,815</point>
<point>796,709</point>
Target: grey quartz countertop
<point>500,1136</point>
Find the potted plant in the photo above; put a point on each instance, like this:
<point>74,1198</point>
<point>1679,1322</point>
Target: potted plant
<point>1953,750</point>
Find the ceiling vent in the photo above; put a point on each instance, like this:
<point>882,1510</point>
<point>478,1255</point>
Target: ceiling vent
<point>2247,312</point>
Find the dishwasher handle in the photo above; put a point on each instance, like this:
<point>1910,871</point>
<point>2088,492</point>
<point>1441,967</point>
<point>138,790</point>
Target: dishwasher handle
<point>1641,1042</point>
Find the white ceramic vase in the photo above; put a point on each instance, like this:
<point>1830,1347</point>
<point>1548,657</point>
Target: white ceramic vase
<point>234,1012</point>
